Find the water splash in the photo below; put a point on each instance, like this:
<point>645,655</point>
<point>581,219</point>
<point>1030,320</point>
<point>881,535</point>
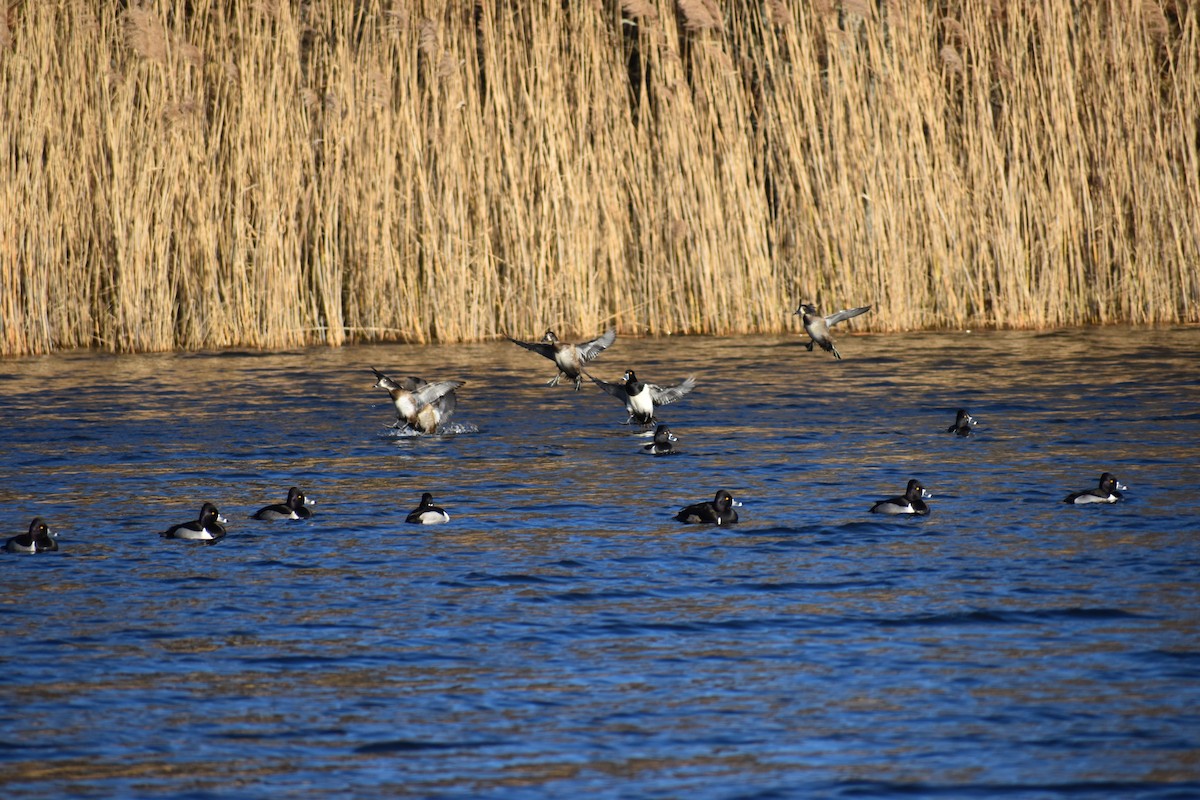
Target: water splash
<point>406,432</point>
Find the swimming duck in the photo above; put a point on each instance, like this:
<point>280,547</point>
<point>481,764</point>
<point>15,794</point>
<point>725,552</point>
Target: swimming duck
<point>39,539</point>
<point>420,405</point>
<point>292,508</point>
<point>641,398</point>
<point>719,510</point>
<point>569,358</point>
<point>963,424</point>
<point>206,527</point>
<point>1106,492</point>
<point>818,326</point>
<point>911,502</point>
<point>427,513</point>
<point>663,444</point>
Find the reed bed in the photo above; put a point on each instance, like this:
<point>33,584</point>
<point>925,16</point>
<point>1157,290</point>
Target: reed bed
<point>215,173</point>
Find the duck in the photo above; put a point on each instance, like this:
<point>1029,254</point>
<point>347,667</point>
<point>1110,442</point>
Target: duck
<point>569,358</point>
<point>427,513</point>
<point>663,444</point>
<point>206,527</point>
<point>292,508</point>
<point>39,539</point>
<point>719,510</point>
<point>964,424</point>
<point>1107,492</point>
<point>640,398</point>
<point>817,326</point>
<point>420,405</point>
<point>911,502</point>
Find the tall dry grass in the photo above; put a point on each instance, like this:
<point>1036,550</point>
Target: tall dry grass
<point>208,173</point>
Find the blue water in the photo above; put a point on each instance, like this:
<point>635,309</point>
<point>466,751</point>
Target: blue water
<point>562,636</point>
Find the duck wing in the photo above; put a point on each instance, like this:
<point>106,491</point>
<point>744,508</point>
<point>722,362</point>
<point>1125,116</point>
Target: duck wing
<point>541,348</point>
<point>846,313</point>
<point>588,351</point>
<point>277,510</point>
<point>447,403</point>
<point>21,540</point>
<point>669,394</point>
<point>697,512</point>
<point>432,392</point>
<point>617,390</point>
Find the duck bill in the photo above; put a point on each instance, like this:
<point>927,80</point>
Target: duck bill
<point>222,519</point>
<point>1122,487</point>
<point>736,503</point>
<point>925,493</point>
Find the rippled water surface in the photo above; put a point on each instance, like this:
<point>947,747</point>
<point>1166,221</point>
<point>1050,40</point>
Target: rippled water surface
<point>563,635</point>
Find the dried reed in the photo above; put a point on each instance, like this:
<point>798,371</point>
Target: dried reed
<point>199,173</point>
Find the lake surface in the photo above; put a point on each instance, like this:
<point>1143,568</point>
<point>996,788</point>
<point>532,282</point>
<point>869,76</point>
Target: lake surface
<point>563,636</point>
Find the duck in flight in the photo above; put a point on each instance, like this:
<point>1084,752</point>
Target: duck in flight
<point>817,326</point>
<point>641,398</point>
<point>569,358</point>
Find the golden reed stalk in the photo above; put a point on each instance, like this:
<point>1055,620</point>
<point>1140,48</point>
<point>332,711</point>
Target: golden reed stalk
<point>212,173</point>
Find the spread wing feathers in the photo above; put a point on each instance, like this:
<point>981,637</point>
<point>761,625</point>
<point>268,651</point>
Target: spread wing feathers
<point>669,394</point>
<point>433,391</point>
<point>447,403</point>
<point>590,350</point>
<point>617,390</point>
<point>541,348</point>
<point>844,314</point>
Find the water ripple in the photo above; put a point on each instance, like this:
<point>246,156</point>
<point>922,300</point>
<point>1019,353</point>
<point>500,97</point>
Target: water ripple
<point>563,635</point>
